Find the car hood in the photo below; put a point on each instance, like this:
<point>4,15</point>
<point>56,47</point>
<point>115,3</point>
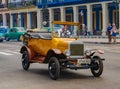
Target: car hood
<point>62,43</point>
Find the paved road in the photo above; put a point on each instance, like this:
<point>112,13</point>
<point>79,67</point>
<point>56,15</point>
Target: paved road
<point>13,77</point>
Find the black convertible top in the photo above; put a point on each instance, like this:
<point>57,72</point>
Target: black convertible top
<point>39,35</point>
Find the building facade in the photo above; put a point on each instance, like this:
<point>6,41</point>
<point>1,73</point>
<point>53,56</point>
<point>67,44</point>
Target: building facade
<point>95,14</point>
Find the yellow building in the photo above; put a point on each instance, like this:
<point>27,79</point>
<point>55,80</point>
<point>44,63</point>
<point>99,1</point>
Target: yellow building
<point>19,13</point>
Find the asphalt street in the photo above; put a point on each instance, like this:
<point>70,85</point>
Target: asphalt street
<point>12,76</point>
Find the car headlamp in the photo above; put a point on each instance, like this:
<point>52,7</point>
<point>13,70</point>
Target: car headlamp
<point>67,52</point>
<point>87,52</point>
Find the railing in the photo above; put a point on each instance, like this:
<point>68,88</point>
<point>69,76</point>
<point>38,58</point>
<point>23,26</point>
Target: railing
<point>61,1</point>
<point>22,4</point>
<point>64,1</point>
<point>92,1</point>
<point>67,1</point>
<point>82,1</point>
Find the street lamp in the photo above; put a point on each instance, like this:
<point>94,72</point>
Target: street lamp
<point>116,2</point>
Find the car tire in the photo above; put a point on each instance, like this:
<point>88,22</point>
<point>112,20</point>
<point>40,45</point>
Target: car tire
<point>98,66</point>
<point>7,38</point>
<point>18,39</point>
<point>25,60</point>
<point>54,68</point>
<point>1,40</point>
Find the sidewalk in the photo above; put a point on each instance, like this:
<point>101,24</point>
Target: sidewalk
<point>98,40</point>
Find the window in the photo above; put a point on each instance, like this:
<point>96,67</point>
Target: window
<point>11,30</point>
<point>40,1</point>
<point>49,0</point>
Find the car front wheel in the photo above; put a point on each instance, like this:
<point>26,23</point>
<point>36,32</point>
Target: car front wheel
<point>97,68</point>
<point>7,38</point>
<point>1,40</point>
<point>54,68</point>
<point>18,39</point>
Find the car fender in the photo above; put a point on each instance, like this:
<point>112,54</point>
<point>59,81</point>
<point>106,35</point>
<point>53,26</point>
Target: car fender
<point>96,57</point>
<point>57,51</point>
<point>54,53</point>
<point>30,52</point>
<point>97,51</point>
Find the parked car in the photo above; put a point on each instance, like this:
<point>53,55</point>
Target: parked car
<point>3,30</point>
<point>15,33</point>
<point>59,51</point>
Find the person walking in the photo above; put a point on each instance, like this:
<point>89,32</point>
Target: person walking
<point>85,31</point>
<point>109,30</point>
<point>114,32</point>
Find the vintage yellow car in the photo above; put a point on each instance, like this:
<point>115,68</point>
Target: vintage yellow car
<point>60,48</point>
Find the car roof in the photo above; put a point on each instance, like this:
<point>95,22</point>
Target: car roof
<point>17,27</point>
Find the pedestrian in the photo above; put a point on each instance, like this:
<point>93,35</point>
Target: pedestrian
<point>84,28</point>
<point>64,32</point>
<point>114,32</point>
<point>109,30</point>
<point>85,32</point>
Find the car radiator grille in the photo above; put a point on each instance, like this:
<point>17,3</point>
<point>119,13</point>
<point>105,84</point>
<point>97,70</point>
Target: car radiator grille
<point>76,49</point>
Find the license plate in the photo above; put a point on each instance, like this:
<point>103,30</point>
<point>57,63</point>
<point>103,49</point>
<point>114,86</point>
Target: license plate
<point>83,61</point>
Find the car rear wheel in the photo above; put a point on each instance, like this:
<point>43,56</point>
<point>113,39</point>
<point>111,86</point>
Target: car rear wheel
<point>97,68</point>
<point>25,60</point>
<point>54,68</point>
<point>1,40</point>
<point>18,39</point>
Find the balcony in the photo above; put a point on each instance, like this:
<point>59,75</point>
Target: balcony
<point>92,1</point>
<point>53,3</point>
<point>25,4</point>
<point>70,2</point>
<point>79,1</point>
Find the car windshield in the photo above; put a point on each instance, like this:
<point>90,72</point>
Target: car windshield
<point>64,31</point>
<point>21,29</point>
<point>49,29</point>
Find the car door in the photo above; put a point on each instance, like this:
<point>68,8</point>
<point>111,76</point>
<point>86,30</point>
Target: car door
<point>12,33</point>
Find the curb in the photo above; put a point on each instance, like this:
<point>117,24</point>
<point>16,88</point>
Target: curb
<point>105,37</point>
<point>100,42</point>
<point>93,37</point>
